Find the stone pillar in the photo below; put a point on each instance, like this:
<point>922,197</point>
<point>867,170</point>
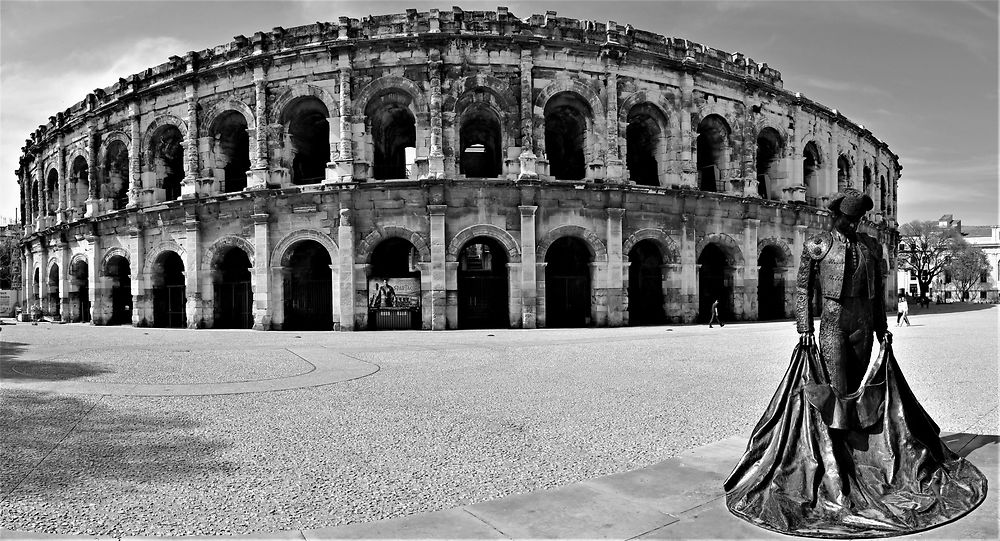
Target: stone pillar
<point>93,182</point>
<point>529,289</point>
<point>793,161</point>
<point>345,252</point>
<point>345,163</point>
<point>189,186</point>
<point>689,270</point>
<point>94,272</point>
<point>42,197</point>
<point>64,257</point>
<point>527,158</point>
<point>258,174</point>
<point>436,157</point>
<point>26,277</point>
<point>61,205</point>
<point>192,272</point>
<point>261,272</point>
<point>751,226</point>
<point>438,295</point>
<point>689,163</point>
<point>136,247</point>
<point>616,167</point>
<point>616,276</point>
<point>43,277</point>
<point>134,157</point>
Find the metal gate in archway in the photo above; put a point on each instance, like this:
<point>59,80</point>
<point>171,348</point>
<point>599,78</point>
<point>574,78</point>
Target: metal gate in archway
<point>233,305</point>
<point>309,305</point>
<point>168,306</point>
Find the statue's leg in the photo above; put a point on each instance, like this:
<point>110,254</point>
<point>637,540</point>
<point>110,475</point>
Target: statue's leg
<point>832,342</point>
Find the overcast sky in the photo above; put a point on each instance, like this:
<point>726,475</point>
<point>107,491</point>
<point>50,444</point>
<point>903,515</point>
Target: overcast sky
<point>922,76</point>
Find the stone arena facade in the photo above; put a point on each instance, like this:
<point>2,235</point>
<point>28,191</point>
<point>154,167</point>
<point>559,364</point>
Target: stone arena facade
<point>439,170</point>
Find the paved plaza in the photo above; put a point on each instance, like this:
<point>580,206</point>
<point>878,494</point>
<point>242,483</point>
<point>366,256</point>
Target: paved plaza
<point>121,431</point>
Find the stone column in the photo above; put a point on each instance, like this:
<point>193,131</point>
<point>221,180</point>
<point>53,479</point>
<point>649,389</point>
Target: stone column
<point>616,167</point>
<point>261,272</point>
<point>529,294</point>
<point>42,197</point>
<point>616,276</point>
<point>136,247</point>
<point>345,251</point>
<point>189,186</point>
<point>93,182</point>
<point>192,272</point>
<point>134,157</point>
<point>345,163</point>
<point>750,281</point>
<point>689,164</point>
<point>258,174</point>
<point>61,205</point>
<point>527,157</point>
<point>689,270</point>
<point>437,269</point>
<point>436,157</point>
<point>94,272</point>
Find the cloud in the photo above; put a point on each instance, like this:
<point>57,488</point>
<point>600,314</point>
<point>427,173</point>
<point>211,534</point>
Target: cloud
<point>844,86</point>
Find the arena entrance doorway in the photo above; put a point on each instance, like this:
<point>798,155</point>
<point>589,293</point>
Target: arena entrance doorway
<point>645,285</point>
<point>79,295</point>
<point>482,285</point>
<point>770,284</point>
<point>118,273</point>
<point>567,283</point>
<point>52,300</point>
<point>308,288</point>
<point>715,282</point>
<point>169,293</point>
<point>394,286</point>
<point>233,301</point>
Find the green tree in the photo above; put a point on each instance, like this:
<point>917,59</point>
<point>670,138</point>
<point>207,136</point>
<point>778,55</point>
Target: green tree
<point>967,266</point>
<point>925,249</point>
<point>10,263</point>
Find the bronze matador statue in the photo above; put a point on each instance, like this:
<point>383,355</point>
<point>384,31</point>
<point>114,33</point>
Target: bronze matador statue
<point>844,449</point>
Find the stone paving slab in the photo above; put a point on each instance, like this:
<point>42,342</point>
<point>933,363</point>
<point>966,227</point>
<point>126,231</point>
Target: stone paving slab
<point>451,523</point>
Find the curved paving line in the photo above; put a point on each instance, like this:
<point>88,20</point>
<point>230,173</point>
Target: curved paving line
<point>328,368</point>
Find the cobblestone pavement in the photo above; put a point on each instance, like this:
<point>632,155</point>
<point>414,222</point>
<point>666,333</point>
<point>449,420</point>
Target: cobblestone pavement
<point>439,420</point>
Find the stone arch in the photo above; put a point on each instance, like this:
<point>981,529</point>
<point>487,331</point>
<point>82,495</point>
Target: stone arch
<point>219,247</point>
<point>160,249</point>
<point>479,92</point>
<point>368,244</point>
<point>53,261</point>
<point>382,84</point>
<point>77,258</point>
<point>159,123</point>
<point>282,252</point>
<point>575,86</point>
<point>106,141</point>
<point>668,247</point>
<point>222,107</point>
<point>292,93</point>
<point>734,255</point>
<point>597,247</point>
<point>656,99</point>
<point>484,230</point>
<point>782,246</point>
<point>112,252</point>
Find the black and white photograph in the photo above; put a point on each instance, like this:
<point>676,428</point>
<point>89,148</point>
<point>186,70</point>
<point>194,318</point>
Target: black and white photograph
<point>322,269</point>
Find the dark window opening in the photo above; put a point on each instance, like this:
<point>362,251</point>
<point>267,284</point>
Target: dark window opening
<point>810,166</point>
<point>566,136</point>
<point>645,285</point>
<point>168,161</point>
<point>769,149</point>
<point>80,182</point>
<point>309,135</point>
<point>771,285</point>
<point>480,142</point>
<point>118,274</point>
<point>866,178</point>
<point>52,187</point>
<point>79,295</point>
<point>393,131</point>
<point>843,173</point>
<point>53,307</point>
<point>116,175</point>
<point>232,150</point>
<point>643,144</point>
<point>567,284</point>
<point>713,141</point>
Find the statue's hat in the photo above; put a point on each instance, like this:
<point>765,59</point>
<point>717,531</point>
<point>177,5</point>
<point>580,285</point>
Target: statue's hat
<point>851,202</point>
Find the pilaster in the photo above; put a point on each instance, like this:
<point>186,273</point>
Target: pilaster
<point>345,251</point>
<point>93,182</point>
<point>689,169</point>
<point>616,167</point>
<point>64,270</point>
<point>134,156</point>
<point>616,293</point>
<point>94,271</point>
<point>62,182</point>
<point>189,186</point>
<point>345,163</point>
<point>751,226</point>
<point>136,247</point>
<point>192,271</point>
<point>261,272</point>
<point>529,289</point>
<point>689,270</point>
<point>436,157</point>
<point>258,173</point>
<point>438,283</point>
<point>527,158</point>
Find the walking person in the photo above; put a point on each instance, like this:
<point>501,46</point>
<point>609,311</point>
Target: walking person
<point>902,311</point>
<point>715,315</point>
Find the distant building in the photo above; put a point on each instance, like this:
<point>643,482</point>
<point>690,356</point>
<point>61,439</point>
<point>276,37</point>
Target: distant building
<point>987,237</point>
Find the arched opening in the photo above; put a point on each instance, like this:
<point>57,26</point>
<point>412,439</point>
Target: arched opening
<point>36,288</point>
<point>52,300</point>
<point>233,296</point>
<point>393,130</point>
<point>713,149</point>
<point>79,295</point>
<point>881,193</point>
<point>482,285</point>
<point>645,284</point>
<point>116,175</point>
<point>167,147</point>
<point>52,190</point>
<point>866,176</point>
<point>308,128</point>
<point>308,288</point>
<point>394,286</point>
<point>771,284</point>
<point>810,170</point>
<point>231,148</point>
<point>715,282</point>
<point>80,182</point>
<point>843,173</point>
<point>567,283</point>
<point>645,144</point>
<point>118,274</point>
<point>769,150</point>
<point>566,121</point>
<point>479,139</point>
<point>35,196</point>
<point>169,294</point>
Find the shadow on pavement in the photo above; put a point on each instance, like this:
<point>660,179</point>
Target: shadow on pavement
<point>976,441</point>
<point>948,308</point>
<point>12,368</point>
<point>58,446</point>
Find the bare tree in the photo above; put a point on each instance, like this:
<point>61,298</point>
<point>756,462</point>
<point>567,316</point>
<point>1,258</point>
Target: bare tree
<point>968,265</point>
<point>925,249</point>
